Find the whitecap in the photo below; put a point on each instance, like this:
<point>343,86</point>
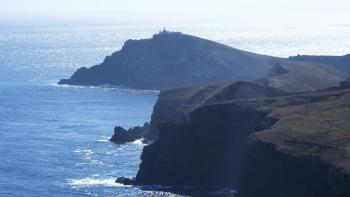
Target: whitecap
<point>77,151</point>
<point>103,139</point>
<point>138,142</point>
<point>107,87</point>
<point>89,181</point>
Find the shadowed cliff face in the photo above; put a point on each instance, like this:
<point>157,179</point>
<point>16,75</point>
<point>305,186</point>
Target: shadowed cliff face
<point>298,146</point>
<point>206,150</point>
<point>171,60</point>
<point>270,173</point>
<point>305,153</point>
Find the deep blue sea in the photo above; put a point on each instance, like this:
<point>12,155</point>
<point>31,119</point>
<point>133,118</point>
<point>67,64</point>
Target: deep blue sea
<point>54,139</point>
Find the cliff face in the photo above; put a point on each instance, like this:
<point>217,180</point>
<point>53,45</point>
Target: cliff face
<point>199,151</point>
<point>171,60</point>
<point>305,153</point>
<point>270,173</point>
<point>299,146</point>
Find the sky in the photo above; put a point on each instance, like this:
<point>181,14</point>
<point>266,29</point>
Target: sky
<point>249,12</point>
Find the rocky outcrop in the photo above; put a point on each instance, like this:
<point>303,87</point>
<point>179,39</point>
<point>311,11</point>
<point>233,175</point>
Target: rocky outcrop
<point>301,76</point>
<point>170,60</point>
<point>122,136</point>
<point>125,180</point>
<point>299,145</point>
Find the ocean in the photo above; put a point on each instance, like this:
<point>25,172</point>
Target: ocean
<point>54,139</point>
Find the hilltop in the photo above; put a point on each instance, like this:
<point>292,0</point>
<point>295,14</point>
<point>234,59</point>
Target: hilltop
<point>172,59</point>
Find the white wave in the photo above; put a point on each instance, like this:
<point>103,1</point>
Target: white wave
<point>107,87</point>
<point>90,181</point>
<point>138,142</point>
<point>103,139</point>
<point>86,151</point>
<point>77,151</point>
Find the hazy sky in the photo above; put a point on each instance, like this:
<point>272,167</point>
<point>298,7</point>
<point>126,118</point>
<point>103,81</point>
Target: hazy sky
<point>234,11</point>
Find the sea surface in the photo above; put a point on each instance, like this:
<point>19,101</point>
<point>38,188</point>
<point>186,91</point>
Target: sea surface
<point>54,139</point>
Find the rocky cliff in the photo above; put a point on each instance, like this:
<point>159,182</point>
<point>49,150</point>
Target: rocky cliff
<point>305,153</point>
<point>171,59</point>
<point>298,143</point>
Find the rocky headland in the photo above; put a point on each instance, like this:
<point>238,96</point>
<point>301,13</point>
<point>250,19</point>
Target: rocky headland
<point>204,68</point>
<point>298,142</point>
<point>266,126</point>
<point>171,60</point>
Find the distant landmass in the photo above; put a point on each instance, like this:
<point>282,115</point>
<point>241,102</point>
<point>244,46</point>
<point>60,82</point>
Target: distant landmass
<point>170,60</point>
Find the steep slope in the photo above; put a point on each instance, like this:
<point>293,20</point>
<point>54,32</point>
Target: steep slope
<point>298,140</point>
<point>171,59</point>
<point>301,76</point>
<point>341,63</point>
